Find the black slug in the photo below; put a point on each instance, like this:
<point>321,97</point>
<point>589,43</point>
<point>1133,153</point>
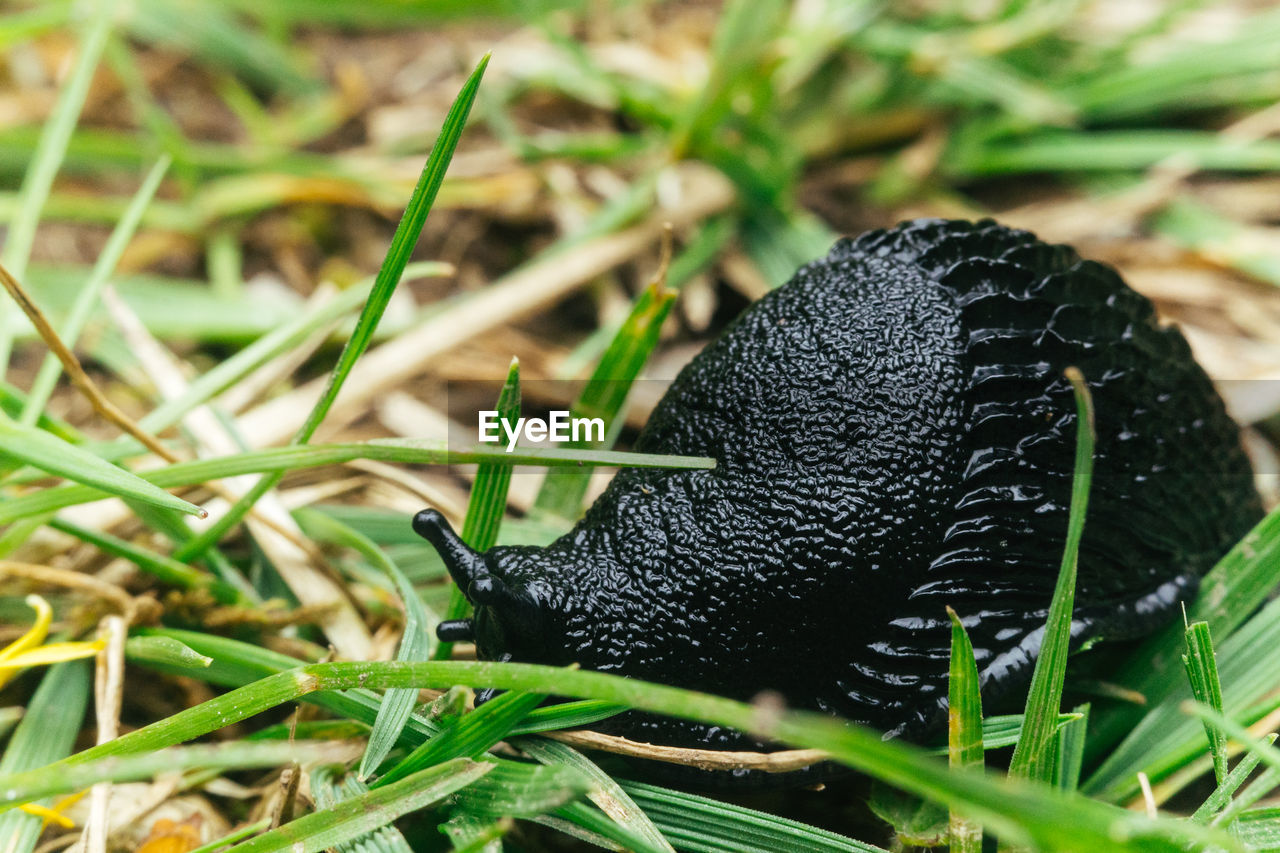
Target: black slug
<point>893,435</point>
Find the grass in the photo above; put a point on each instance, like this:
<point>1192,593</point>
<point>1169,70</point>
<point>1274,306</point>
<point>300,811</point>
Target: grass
<point>928,107</point>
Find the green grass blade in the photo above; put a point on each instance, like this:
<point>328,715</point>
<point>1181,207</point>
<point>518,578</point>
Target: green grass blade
<point>9,718</point>
<point>1217,239</point>
<point>1260,830</point>
<point>415,642</point>
<point>294,457</point>
<point>604,792</point>
<point>12,401</point>
<point>164,650</point>
<point>566,715</point>
<point>964,730</point>
<point>87,298</point>
<point>1111,150</point>
<point>165,569</point>
<point>27,24</point>
<point>1266,782</point>
<point>1221,795</point>
<point>236,664</point>
<point>698,823</point>
<point>1180,79</point>
<point>1256,746</point>
<point>1260,787</point>
<point>742,38</point>
<point>580,820</point>
<point>359,815</point>
<point>47,733</point>
<point>221,845</point>
<point>606,392</point>
<point>517,789</point>
<point>214,35</point>
<point>1202,672</point>
<point>1032,757</point>
<point>1165,739</point>
<point>1236,587</point>
<point>470,736</point>
<point>25,786</point>
<point>328,791</point>
<point>1023,813</point>
<point>49,453</point>
<point>389,274</point>
<point>1004,730</point>
<point>1071,740</point>
<point>402,245</point>
<point>470,834</point>
<point>488,502</point>
<point>43,167</point>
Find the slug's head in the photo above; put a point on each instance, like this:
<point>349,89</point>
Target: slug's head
<point>509,620</point>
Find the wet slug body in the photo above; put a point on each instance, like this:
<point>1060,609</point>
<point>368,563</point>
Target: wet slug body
<point>893,435</point>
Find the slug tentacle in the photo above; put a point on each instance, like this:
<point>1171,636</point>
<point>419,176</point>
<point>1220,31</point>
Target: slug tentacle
<point>456,631</point>
<point>464,563</point>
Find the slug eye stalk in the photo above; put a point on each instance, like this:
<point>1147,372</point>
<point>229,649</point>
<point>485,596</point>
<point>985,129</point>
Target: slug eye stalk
<point>464,563</point>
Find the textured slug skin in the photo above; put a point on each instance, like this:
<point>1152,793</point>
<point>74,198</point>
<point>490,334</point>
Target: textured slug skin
<point>893,435</point>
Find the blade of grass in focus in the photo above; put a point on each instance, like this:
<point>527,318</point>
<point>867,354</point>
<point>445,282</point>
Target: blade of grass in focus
<point>28,785</point>
<point>470,736</point>
<point>415,640</point>
<point>163,568</point>
<point>284,459</point>
<point>1151,736</point>
<point>488,501</point>
<point>1071,740</point>
<point>357,816</point>
<point>1032,757</point>
<point>330,787</point>
<point>605,792</point>
<point>1221,795</point>
<point>1202,672</point>
<point>964,730</point>
<point>1015,810</point>
<point>694,822</point>
<point>47,452</point>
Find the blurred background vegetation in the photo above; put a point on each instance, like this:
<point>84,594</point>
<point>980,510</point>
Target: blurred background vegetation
<point>1142,132</point>
<point>289,134</point>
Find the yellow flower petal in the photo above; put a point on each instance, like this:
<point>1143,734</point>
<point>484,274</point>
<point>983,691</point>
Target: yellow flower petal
<point>53,653</point>
<point>36,634</point>
<point>50,815</point>
<point>26,651</point>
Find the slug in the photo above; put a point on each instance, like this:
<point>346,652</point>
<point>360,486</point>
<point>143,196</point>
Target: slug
<point>893,434</point>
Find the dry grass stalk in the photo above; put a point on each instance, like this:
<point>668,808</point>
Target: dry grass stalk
<point>108,700</point>
<point>75,372</point>
<point>783,761</point>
